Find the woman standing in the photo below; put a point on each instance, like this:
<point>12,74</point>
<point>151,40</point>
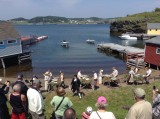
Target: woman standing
<point>101,113</point>
<point>60,103</point>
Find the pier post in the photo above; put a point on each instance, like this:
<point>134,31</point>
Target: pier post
<point>3,64</point>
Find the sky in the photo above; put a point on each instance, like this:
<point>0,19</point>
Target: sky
<point>28,9</point>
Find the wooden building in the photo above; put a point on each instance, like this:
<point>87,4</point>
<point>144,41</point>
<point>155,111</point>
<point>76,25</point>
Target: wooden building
<point>152,52</point>
<point>153,29</point>
<point>10,45</point>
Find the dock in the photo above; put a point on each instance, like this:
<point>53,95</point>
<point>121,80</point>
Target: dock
<point>132,55</point>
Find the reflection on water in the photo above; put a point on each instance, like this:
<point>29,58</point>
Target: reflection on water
<point>13,70</point>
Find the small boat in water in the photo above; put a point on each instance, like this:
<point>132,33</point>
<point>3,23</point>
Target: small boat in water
<point>65,44</point>
<point>127,37</point>
<point>90,41</point>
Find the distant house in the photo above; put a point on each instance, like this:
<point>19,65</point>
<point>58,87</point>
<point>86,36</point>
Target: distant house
<point>153,28</point>
<point>10,43</point>
<point>152,52</point>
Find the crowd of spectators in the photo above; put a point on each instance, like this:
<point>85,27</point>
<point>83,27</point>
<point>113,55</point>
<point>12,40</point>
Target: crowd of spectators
<point>28,101</point>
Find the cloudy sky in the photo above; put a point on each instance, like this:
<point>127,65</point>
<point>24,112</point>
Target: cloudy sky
<point>74,8</point>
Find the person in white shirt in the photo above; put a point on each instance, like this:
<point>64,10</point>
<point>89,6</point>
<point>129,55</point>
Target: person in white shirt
<point>131,76</point>
<point>100,76</point>
<point>95,77</point>
<point>79,75</point>
<point>114,74</point>
<point>101,113</point>
<point>35,101</point>
<point>47,78</point>
<point>147,75</point>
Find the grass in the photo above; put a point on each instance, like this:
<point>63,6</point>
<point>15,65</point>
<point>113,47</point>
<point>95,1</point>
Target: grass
<point>117,98</point>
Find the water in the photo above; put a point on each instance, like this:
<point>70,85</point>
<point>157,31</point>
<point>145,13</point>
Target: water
<point>49,54</point>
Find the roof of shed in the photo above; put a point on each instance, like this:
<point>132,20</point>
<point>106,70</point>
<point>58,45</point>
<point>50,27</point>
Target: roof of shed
<point>155,40</point>
<point>153,25</point>
<point>7,31</point>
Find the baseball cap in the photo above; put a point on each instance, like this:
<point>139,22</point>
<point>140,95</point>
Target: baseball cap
<point>89,110</point>
<point>139,92</point>
<point>102,100</point>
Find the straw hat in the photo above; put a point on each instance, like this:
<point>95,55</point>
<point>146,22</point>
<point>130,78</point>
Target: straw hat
<point>47,73</point>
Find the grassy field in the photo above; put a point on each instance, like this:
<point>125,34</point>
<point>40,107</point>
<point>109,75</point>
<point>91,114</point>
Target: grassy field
<point>116,97</point>
<point>152,17</point>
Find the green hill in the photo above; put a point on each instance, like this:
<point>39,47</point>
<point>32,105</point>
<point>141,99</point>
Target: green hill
<point>136,23</point>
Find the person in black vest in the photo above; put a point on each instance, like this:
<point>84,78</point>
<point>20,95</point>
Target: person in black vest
<point>75,86</point>
<point>23,89</point>
<point>18,103</point>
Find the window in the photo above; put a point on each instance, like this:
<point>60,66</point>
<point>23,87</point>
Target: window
<point>158,51</point>
<point>1,43</point>
<point>12,41</point>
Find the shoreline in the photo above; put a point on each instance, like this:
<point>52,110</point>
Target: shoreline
<point>68,79</point>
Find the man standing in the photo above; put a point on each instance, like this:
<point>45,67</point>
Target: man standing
<point>75,84</point>
<point>47,78</point>
<point>141,109</point>
<point>95,77</point>
<point>35,100</point>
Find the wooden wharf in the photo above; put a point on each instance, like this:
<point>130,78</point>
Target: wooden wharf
<point>132,55</point>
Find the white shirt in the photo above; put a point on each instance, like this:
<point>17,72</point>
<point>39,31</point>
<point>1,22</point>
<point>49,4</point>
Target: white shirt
<point>95,76</point>
<point>148,72</point>
<point>131,72</point>
<point>114,73</point>
<point>103,115</point>
<point>79,75</point>
<point>35,101</point>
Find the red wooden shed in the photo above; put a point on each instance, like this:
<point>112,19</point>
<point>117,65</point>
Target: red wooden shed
<point>152,51</point>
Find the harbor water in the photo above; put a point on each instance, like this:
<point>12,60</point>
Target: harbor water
<point>49,54</point>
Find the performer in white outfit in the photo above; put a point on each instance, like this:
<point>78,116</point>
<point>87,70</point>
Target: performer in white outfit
<point>100,76</point>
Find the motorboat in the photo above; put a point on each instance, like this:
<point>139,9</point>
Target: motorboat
<point>90,41</point>
<point>127,37</point>
<point>65,44</point>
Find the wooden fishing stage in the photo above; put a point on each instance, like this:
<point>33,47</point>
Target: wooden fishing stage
<point>133,56</point>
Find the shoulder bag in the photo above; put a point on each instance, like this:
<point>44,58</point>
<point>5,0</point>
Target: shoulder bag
<point>53,115</point>
<point>98,115</point>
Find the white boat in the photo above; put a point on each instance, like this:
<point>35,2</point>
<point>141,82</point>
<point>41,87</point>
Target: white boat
<point>90,41</point>
<point>127,37</point>
<point>65,44</point>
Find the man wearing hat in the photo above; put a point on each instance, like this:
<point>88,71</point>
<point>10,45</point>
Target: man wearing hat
<point>33,95</point>
<point>141,109</point>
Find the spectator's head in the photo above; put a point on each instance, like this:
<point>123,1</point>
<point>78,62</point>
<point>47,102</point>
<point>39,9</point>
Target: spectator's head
<point>89,110</point>
<point>60,91</point>
<point>101,103</point>
<point>69,113</point>
<point>17,88</point>
<point>20,77</point>
<point>37,84</point>
<point>139,93</point>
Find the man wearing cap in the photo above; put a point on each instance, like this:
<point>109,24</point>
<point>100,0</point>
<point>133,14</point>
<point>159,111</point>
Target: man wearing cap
<point>35,100</point>
<point>141,109</point>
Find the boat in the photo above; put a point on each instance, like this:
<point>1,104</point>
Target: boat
<point>65,44</point>
<point>90,41</point>
<point>40,38</point>
<point>127,37</point>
